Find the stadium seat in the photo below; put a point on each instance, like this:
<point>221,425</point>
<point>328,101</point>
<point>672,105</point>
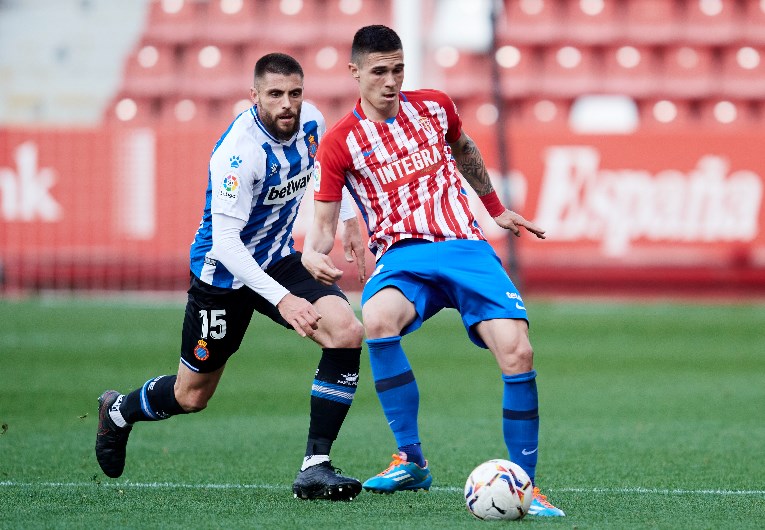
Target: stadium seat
<point>292,22</point>
<point>519,70</point>
<point>212,71</point>
<point>592,22</point>
<point>688,72</point>
<point>631,70</point>
<point>752,27</point>
<point>133,111</point>
<point>729,114</point>
<point>345,17</point>
<point>151,70</point>
<point>541,113</point>
<point>743,71</point>
<point>530,22</point>
<point>707,22</point>
<point>232,21</point>
<point>458,72</point>
<point>666,115</point>
<point>327,75</point>
<point>569,71</point>
<point>652,21</point>
<point>174,21</point>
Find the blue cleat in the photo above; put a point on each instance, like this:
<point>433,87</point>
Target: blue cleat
<point>400,475</point>
<point>542,507</point>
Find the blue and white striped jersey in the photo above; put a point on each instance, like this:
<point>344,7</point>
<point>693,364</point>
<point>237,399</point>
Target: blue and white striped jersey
<point>260,180</point>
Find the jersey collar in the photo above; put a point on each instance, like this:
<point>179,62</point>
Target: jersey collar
<point>359,113</point>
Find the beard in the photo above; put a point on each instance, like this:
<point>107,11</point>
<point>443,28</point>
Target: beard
<point>271,122</point>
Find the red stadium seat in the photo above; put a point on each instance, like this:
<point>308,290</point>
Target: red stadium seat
<point>752,27</point>
<point>670,115</point>
<point>631,70</point>
<point>743,71</point>
<point>729,114</point>
<point>151,70</point>
<point>519,70</point>
<point>707,22</point>
<point>133,111</point>
<point>592,22</point>
<point>460,70</point>
<point>174,21</point>
<point>652,21</point>
<point>569,71</point>
<point>212,71</point>
<point>326,73</point>
<point>345,17</point>
<point>530,22</point>
<point>689,72</point>
<point>232,22</point>
<point>541,113</point>
<point>292,22</point>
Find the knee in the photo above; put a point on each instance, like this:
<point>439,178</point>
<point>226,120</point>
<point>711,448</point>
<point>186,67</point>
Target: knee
<point>517,359</point>
<point>378,325</point>
<point>346,333</point>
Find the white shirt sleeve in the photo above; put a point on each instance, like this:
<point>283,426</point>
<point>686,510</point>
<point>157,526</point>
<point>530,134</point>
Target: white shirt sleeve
<point>347,210</point>
<point>229,249</point>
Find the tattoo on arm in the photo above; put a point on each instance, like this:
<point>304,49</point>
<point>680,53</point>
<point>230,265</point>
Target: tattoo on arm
<point>471,165</point>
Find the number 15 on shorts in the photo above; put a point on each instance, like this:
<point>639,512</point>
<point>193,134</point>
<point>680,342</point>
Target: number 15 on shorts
<point>213,323</point>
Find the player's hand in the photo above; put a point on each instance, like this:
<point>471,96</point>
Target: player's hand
<point>300,314</point>
<point>354,246</point>
<point>514,222</point>
<point>321,267</point>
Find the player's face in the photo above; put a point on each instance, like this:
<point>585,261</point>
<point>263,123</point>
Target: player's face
<point>380,77</point>
<point>279,99</point>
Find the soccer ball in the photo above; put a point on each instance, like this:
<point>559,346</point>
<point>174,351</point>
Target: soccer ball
<point>498,490</point>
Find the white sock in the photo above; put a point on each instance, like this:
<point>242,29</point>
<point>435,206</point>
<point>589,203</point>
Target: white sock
<point>312,460</point>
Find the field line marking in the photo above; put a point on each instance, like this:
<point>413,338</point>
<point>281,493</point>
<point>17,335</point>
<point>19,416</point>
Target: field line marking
<point>448,489</point>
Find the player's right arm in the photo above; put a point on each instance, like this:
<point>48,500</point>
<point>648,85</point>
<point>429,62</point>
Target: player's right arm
<point>319,242</point>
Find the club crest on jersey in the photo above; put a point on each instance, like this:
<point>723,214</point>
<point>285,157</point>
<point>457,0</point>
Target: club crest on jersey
<point>312,146</point>
<point>289,189</point>
<point>201,352</point>
<point>229,188</point>
<point>425,123</point>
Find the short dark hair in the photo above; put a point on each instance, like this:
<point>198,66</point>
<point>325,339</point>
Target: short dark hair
<point>371,39</point>
<point>277,63</point>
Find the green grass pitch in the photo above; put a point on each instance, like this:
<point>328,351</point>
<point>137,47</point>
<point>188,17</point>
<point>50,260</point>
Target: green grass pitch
<point>652,416</point>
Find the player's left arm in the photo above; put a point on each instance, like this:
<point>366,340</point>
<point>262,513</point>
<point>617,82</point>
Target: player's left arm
<point>470,163</point>
<point>319,242</point>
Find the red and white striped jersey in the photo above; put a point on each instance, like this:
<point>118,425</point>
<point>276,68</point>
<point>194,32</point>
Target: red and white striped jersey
<point>400,172</point>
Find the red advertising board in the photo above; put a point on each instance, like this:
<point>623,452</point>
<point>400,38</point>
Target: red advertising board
<point>118,208</point>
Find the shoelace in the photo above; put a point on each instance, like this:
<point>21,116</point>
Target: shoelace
<point>397,460</point>
<point>542,498</point>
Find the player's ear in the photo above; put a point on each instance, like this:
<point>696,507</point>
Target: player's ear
<point>254,95</point>
<point>354,70</point>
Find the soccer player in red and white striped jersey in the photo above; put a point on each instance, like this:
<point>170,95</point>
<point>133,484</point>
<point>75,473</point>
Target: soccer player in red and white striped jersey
<point>401,155</point>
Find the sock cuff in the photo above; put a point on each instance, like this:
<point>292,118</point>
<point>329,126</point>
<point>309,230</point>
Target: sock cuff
<point>520,378</point>
<point>384,341</point>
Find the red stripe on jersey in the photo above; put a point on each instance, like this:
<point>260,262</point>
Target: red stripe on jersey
<point>401,171</point>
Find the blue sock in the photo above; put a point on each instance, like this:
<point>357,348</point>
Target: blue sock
<point>396,390</point>
<point>413,454</point>
<point>520,419</point>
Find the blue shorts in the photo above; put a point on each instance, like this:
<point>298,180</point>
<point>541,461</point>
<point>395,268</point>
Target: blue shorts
<point>462,274</point>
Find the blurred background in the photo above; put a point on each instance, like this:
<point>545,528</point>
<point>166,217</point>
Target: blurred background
<point>631,130</point>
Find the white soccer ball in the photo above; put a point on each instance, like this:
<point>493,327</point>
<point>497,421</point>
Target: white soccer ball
<point>498,490</point>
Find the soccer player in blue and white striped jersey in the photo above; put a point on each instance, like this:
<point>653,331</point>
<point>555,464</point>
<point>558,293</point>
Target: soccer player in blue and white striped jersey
<point>243,260</point>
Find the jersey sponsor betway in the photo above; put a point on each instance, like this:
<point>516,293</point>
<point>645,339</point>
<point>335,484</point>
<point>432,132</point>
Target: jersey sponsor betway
<point>289,189</point>
<point>424,162</point>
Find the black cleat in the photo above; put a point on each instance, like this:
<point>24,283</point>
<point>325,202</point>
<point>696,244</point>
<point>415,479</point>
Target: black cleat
<point>111,441</point>
<point>323,481</point>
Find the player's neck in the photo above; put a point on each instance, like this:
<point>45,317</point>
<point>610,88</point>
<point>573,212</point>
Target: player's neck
<point>379,114</point>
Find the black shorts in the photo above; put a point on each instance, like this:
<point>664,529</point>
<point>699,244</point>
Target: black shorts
<point>217,318</point>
